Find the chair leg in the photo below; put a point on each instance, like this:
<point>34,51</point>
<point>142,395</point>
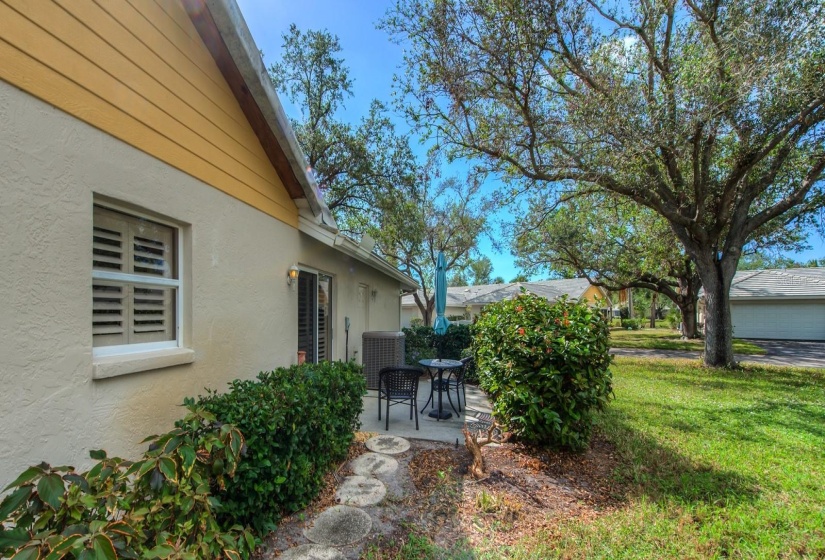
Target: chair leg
<point>388,413</point>
<point>430,400</point>
<point>449,398</point>
<point>415,408</point>
<point>379,403</point>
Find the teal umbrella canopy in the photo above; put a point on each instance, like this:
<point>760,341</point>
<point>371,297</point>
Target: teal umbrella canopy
<point>441,322</point>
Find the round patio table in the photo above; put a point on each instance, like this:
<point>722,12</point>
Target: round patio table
<point>438,365</point>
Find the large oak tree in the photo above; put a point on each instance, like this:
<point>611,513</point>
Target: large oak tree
<point>615,244</point>
<point>709,113</point>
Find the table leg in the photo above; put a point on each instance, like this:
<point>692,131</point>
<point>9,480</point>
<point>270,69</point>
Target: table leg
<point>440,414</point>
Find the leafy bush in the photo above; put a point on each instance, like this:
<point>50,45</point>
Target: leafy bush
<point>421,343</point>
<point>159,507</point>
<point>298,423</point>
<point>633,324</point>
<point>545,367</point>
<point>416,322</point>
<point>674,318</point>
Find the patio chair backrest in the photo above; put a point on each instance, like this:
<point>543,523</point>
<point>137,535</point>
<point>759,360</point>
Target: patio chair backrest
<point>468,363</point>
<point>400,380</point>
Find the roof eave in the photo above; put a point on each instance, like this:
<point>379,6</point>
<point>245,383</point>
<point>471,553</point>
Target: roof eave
<point>349,247</point>
<point>225,33</point>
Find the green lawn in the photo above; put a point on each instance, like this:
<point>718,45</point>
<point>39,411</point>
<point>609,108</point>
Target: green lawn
<point>669,339</point>
<point>715,464</point>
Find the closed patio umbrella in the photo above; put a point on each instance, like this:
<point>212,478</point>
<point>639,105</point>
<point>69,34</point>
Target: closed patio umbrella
<point>441,322</point>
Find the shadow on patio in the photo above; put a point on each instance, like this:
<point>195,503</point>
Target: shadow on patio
<point>476,411</point>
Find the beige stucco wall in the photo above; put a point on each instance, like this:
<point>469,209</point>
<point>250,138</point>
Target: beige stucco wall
<point>366,313</point>
<point>240,318</point>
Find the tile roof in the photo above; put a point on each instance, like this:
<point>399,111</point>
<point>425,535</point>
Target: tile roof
<point>459,296</point>
<point>795,283</point>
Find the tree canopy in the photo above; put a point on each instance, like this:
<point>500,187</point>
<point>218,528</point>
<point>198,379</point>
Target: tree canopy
<point>445,215</point>
<point>615,244</point>
<point>708,113</point>
<point>353,165</point>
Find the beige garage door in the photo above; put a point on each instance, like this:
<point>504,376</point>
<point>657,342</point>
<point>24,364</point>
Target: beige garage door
<point>798,320</point>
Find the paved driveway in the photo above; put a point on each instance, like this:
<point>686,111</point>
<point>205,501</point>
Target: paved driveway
<point>780,353</point>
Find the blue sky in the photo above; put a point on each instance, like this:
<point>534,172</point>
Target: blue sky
<point>371,57</point>
<point>372,60</point>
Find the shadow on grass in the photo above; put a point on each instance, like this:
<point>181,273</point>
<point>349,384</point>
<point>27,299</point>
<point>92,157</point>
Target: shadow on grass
<point>784,398</point>
<point>660,473</point>
<point>751,377</point>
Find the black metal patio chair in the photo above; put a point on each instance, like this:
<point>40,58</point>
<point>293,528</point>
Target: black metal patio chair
<point>399,384</point>
<point>454,382</point>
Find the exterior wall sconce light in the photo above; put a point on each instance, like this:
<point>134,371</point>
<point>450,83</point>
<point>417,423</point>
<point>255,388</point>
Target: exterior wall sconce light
<point>374,294</point>
<point>291,275</point>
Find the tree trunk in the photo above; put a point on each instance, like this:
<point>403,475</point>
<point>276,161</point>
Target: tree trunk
<point>654,296</point>
<point>716,279</point>
<point>426,308</point>
<point>689,320</point>
<point>689,285</point>
<point>630,303</point>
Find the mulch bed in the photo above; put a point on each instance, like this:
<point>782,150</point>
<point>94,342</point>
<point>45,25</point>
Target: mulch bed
<point>527,490</point>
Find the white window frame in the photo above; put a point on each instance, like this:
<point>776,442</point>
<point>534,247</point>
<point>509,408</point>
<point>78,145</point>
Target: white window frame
<point>176,283</point>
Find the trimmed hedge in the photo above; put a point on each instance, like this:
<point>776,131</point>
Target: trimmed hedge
<point>633,324</point>
<point>421,342</point>
<point>545,367</point>
<point>298,423</point>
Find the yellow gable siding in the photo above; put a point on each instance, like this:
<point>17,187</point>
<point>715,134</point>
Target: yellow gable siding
<point>139,71</point>
<point>593,293</point>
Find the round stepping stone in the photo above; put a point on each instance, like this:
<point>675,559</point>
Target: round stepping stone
<point>339,525</point>
<point>370,464</point>
<point>312,552</point>
<point>391,445</point>
<point>361,491</point>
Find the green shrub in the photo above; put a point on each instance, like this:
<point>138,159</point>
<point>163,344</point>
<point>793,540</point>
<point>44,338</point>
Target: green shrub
<point>674,318</point>
<point>298,423</point>
<point>159,507</point>
<point>633,324</point>
<point>421,343</point>
<point>545,367</point>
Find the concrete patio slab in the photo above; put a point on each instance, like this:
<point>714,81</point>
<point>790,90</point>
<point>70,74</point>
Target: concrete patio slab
<point>371,464</point>
<point>361,491</point>
<point>477,410</point>
<point>339,525</point>
<point>312,552</point>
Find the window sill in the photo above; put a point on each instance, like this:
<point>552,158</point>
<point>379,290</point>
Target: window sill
<point>124,364</point>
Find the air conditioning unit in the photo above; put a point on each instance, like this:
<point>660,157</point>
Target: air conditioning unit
<point>381,349</point>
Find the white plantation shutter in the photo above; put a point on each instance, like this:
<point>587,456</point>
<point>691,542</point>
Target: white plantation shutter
<point>307,314</point>
<point>135,280</point>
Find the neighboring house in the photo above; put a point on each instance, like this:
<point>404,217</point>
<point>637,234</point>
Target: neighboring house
<point>468,301</point>
<point>154,200</point>
<point>777,304</point>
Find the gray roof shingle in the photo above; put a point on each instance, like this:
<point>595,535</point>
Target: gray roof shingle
<point>459,296</point>
<point>792,283</point>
